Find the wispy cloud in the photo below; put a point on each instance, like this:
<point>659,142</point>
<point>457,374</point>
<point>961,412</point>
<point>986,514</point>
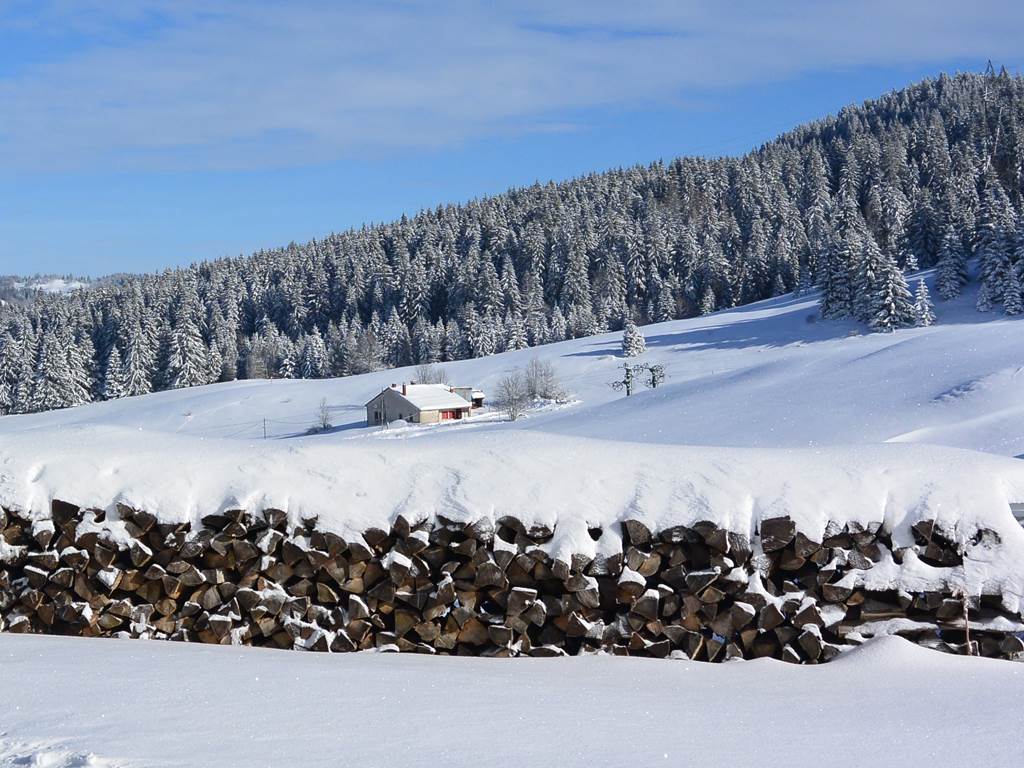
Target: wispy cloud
<point>155,84</point>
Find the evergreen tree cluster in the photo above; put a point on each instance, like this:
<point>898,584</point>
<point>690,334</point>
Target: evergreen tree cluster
<point>929,176</point>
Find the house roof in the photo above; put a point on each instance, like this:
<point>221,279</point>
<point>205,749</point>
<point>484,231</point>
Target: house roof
<point>431,397</point>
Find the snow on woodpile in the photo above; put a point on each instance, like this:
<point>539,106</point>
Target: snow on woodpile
<point>567,484</point>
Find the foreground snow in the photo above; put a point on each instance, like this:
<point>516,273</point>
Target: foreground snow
<point>111,703</point>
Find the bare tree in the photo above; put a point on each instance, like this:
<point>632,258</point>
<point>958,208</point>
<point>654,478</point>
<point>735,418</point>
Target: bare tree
<point>511,395</point>
<point>541,380</point>
<point>323,417</point>
<point>428,373</point>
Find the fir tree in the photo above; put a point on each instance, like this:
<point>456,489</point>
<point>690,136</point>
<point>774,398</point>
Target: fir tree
<point>924,312</point>
<point>984,303</point>
<point>707,302</point>
<point>516,333</point>
<point>952,266</point>
<point>805,284</point>
<point>113,376</point>
<point>287,368</point>
<point>313,360</point>
<point>836,286</point>
<point>186,365</point>
<point>1013,301</point>
<point>136,377</point>
<point>993,237</point>
<point>891,305</point>
<point>49,376</point>
<point>633,342</point>
<point>9,363</point>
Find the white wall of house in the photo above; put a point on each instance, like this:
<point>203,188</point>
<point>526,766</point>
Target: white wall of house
<point>389,405</point>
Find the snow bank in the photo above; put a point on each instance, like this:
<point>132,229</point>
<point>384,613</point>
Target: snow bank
<point>567,484</point>
<point>889,702</point>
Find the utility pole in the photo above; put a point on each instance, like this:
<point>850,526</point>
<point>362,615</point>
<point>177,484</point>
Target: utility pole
<point>264,429</point>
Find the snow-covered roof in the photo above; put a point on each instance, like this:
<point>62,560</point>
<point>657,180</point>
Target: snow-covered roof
<point>431,397</point>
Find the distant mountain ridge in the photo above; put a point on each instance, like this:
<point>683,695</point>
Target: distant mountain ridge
<point>930,175</point>
<point>18,288</point>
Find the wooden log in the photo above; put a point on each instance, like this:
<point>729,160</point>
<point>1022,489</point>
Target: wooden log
<point>776,533</point>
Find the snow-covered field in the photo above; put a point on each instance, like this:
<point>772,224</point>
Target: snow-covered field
<point>75,702</point>
<point>764,375</point>
<point>766,411</point>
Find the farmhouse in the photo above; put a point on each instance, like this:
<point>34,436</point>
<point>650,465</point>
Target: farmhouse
<point>422,403</point>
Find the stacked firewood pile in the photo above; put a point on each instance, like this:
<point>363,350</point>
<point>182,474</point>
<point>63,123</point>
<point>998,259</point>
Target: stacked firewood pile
<point>491,589</point>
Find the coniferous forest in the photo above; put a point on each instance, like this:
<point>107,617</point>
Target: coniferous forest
<point>932,175</point>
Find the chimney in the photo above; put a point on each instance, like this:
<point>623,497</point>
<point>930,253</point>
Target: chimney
<point>403,388</point>
<point>394,386</point>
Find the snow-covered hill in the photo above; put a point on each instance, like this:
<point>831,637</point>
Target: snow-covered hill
<point>765,375</point>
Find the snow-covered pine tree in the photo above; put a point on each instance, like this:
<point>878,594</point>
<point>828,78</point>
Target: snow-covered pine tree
<point>9,362</point>
<point>924,312</point>
<point>80,384</point>
<point>805,284</point>
<point>1013,301</point>
<point>113,376</point>
<point>516,333</point>
<point>867,287</point>
<point>136,376</point>
<point>313,359</point>
<point>994,238</point>
<point>50,375</point>
<point>952,265</point>
<point>454,341</point>
<point>707,301</point>
<point>633,342</point>
<point>890,301</point>
<point>837,265</point>
<point>984,302</point>
<point>557,331</point>
<point>287,368</point>
<point>187,365</point>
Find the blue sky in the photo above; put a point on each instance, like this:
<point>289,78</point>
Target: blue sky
<point>140,135</point>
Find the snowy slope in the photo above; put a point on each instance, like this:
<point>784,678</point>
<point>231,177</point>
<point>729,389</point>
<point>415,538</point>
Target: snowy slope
<point>761,375</point>
<point>169,704</point>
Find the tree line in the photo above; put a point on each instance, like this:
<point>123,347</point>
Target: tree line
<point>931,175</point>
